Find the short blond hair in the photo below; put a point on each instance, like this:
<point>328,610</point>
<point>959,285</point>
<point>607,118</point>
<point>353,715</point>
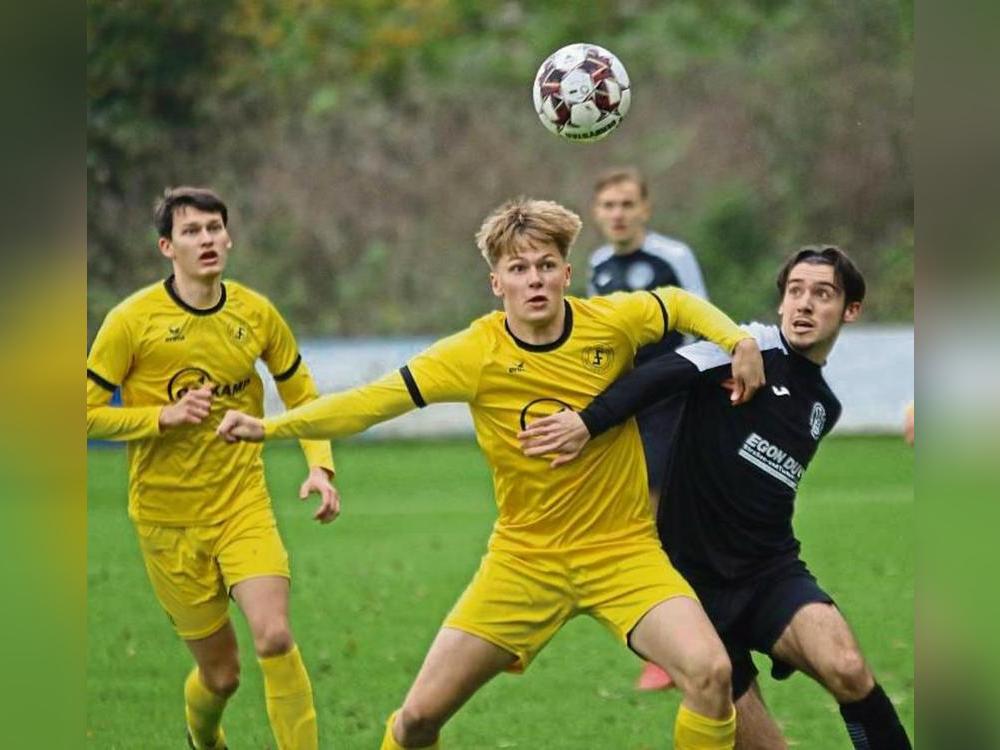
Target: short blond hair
<point>522,221</point>
<point>618,175</point>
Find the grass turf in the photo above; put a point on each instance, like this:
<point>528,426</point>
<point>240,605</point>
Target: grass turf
<point>371,589</point>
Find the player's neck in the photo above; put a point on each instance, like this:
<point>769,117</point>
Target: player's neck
<point>633,243</point>
<point>539,334</point>
<point>198,293</point>
<point>819,352</point>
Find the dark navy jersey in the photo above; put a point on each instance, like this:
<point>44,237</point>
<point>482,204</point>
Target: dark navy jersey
<point>659,261</point>
<point>729,491</point>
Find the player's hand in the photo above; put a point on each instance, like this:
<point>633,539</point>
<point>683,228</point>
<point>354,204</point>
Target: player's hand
<point>318,481</point>
<point>563,433</point>
<point>237,426</point>
<point>191,408</point>
<point>748,371</point>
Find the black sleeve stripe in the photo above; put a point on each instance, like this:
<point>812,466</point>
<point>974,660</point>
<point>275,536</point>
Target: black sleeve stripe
<point>411,386</point>
<point>663,310</point>
<point>290,371</point>
<point>101,381</point>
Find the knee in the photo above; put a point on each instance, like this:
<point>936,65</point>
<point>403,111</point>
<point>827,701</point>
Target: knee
<point>222,679</point>
<point>847,676</point>
<point>273,638</point>
<point>712,676</point>
<point>418,725</point>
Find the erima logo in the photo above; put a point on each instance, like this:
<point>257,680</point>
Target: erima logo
<point>519,367</point>
<point>780,390</point>
<point>174,333</point>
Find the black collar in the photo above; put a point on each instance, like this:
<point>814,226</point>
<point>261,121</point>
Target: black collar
<point>796,357</point>
<point>168,284</point>
<point>567,330</point>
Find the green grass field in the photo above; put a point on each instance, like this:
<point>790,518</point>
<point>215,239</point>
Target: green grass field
<point>371,589</point>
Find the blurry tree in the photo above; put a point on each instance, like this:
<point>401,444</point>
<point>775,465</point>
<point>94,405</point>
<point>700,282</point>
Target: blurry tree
<point>360,143</point>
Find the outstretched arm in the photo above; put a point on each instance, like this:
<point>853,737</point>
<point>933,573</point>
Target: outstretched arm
<point>332,416</point>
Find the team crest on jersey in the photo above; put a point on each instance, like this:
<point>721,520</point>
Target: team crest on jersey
<point>639,275</point>
<point>239,332</point>
<point>599,358</point>
<point>175,333</point>
<point>817,420</point>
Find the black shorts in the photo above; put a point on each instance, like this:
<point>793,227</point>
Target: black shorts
<point>751,617</point>
<point>657,427</point>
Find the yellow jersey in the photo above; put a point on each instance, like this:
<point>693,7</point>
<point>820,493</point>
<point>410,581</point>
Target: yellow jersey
<point>154,347</point>
<point>599,499</point>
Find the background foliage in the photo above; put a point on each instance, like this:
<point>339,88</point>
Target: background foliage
<point>360,143</point>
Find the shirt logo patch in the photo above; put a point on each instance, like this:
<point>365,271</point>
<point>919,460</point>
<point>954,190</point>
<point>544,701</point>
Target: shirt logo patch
<point>174,333</point>
<point>817,420</point>
<point>781,390</point>
<point>519,367</point>
<point>239,332</point>
<point>599,358</point>
<point>771,459</point>
<point>639,275</point>
<point>541,407</point>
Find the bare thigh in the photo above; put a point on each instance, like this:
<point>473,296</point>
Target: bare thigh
<point>456,666</point>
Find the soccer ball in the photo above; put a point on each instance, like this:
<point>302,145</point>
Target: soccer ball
<point>582,92</point>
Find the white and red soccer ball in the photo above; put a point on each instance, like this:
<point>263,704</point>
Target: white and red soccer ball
<point>582,92</point>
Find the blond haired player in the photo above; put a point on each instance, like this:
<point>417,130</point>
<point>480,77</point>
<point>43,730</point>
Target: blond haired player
<point>182,351</point>
<point>565,542</point>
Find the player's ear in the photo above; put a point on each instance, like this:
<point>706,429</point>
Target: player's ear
<point>569,276</point>
<point>852,312</point>
<point>495,285</point>
<point>165,247</point>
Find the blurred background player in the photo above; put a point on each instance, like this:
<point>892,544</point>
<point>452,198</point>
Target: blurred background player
<point>635,258</point>
<point>580,541</point>
<point>731,480</point>
<point>182,351</point>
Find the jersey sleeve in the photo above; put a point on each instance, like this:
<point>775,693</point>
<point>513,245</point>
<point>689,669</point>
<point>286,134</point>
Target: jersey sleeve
<point>689,272</point>
<point>689,313</point>
<point>294,382</point>
<point>447,371</point>
<point>108,365</point>
<point>642,387</point>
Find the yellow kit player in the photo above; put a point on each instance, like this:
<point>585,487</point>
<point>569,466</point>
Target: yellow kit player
<point>182,351</point>
<point>566,541</point>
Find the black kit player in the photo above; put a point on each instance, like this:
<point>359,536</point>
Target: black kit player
<point>725,518</point>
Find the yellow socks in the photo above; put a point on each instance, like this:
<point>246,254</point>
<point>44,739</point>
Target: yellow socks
<point>389,740</point>
<point>203,711</point>
<point>290,701</point>
<point>692,731</point>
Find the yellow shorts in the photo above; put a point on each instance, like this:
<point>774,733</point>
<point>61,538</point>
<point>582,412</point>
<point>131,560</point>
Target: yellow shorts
<point>192,568</point>
<point>519,601</point>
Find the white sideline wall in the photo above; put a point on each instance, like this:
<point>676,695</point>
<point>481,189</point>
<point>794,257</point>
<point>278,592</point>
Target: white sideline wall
<point>870,370</point>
